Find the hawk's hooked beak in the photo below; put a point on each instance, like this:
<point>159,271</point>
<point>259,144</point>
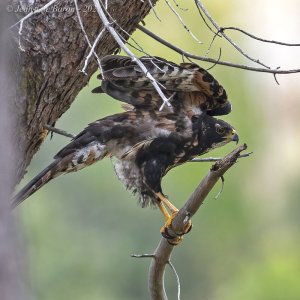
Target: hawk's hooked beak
<point>234,136</point>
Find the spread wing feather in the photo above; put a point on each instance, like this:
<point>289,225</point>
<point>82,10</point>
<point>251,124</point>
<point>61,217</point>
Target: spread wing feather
<point>124,80</point>
<point>138,98</point>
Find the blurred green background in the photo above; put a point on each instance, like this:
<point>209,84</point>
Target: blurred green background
<point>80,230</point>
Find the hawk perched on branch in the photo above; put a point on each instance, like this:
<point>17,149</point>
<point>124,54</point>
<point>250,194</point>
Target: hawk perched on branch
<point>146,143</point>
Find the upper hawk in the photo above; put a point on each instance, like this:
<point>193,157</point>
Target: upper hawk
<point>189,87</point>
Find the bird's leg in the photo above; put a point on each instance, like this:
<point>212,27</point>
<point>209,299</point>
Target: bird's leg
<point>176,237</point>
<point>163,210</point>
<point>173,209</point>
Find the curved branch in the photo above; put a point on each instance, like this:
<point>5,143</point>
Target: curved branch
<point>211,60</point>
<point>201,6</point>
<point>258,38</point>
<point>164,249</point>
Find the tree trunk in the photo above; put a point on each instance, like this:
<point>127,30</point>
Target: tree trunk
<point>48,70</point>
<point>11,284</point>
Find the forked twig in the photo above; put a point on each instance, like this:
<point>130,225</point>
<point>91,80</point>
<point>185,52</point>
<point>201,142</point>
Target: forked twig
<point>92,51</point>
<point>211,60</point>
<point>201,6</point>
<point>92,47</point>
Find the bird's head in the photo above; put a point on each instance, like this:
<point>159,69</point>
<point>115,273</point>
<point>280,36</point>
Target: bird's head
<point>213,133</point>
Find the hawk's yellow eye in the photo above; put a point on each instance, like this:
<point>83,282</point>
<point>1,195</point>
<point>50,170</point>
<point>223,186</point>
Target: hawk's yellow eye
<point>219,129</point>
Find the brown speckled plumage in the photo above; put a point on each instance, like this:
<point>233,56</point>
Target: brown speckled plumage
<point>146,143</point>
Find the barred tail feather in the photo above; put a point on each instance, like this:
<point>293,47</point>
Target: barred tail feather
<point>36,183</point>
<point>72,158</point>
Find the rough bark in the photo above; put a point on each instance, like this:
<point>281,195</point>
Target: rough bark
<point>48,71</point>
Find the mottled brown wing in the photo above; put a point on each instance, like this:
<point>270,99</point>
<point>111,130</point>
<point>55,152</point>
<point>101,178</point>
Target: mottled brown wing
<point>124,80</point>
<point>127,74</point>
<point>142,98</point>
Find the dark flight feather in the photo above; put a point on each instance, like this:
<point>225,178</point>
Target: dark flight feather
<point>124,80</point>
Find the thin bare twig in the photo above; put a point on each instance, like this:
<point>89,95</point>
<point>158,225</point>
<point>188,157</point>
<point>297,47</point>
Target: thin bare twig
<point>201,6</point>
<point>214,159</point>
<point>179,7</point>
<point>169,263</point>
<point>276,80</point>
<point>205,22</point>
<point>87,40</point>
<point>211,60</point>
<point>137,47</point>
<point>164,249</point>
<point>117,38</point>
<point>210,45</point>
<point>142,255</point>
<point>221,189</point>
<point>213,65</point>
<point>59,131</point>
<point>177,279</point>
<point>154,10</point>
<point>182,22</point>
<point>92,51</point>
<point>258,38</point>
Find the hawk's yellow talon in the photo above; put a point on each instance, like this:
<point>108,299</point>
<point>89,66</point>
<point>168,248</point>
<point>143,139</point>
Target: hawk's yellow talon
<point>174,238</point>
<point>175,241</point>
